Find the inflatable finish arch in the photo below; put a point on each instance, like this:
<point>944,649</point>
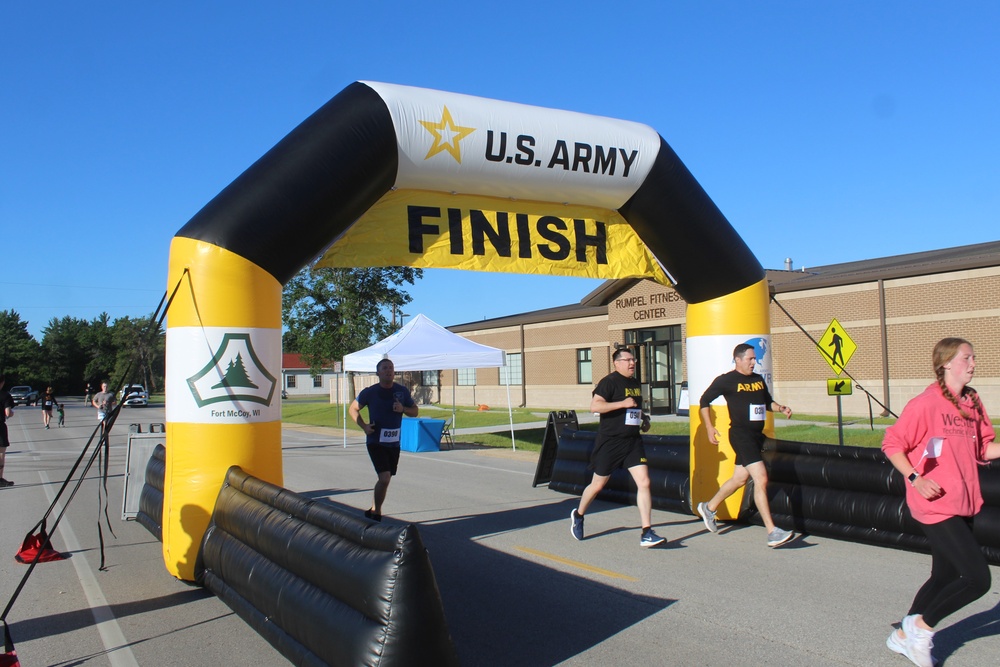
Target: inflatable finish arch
<point>388,175</point>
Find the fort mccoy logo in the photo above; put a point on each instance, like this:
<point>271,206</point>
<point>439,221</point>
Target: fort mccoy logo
<point>234,373</point>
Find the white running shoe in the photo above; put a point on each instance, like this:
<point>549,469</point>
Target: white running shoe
<point>919,643</point>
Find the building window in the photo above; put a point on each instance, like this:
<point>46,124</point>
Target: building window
<point>511,372</point>
<point>317,380</point>
<point>429,378</point>
<point>291,382</point>
<point>466,377</point>
<point>584,366</point>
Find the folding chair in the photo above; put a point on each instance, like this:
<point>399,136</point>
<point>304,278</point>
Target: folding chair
<point>446,435</point>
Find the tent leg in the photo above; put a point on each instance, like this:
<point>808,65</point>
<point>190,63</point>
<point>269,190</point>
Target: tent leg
<point>510,414</point>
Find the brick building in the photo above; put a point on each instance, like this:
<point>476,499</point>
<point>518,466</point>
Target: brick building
<point>893,309</point>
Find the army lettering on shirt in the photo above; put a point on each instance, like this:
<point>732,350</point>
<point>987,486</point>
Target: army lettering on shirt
<point>624,422</point>
<point>747,398</point>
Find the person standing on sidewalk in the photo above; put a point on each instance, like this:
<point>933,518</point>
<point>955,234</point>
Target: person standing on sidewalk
<point>618,400</point>
<point>748,400</point>
<point>938,443</point>
<point>387,402</point>
<point>6,411</point>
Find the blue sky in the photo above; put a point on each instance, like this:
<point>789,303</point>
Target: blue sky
<point>825,131</point>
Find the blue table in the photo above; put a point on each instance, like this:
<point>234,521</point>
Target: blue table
<point>421,435</point>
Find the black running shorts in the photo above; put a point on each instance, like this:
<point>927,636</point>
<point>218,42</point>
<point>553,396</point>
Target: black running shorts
<point>385,459</point>
<point>613,453</point>
<point>747,445</point>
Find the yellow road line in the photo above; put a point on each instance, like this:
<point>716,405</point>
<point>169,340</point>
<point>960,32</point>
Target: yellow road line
<point>576,564</point>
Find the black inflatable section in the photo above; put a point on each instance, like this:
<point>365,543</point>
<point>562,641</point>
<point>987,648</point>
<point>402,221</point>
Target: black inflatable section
<point>668,458</point>
<point>856,494</point>
<point>150,514</point>
<point>310,187</point>
<point>686,231</point>
<point>851,493</point>
<point>323,586</point>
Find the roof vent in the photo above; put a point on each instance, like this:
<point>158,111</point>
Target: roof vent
<point>788,264</point>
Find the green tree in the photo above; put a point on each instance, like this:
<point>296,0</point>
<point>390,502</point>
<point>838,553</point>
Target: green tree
<point>20,354</point>
<point>332,312</point>
<point>139,348</point>
<point>64,354</point>
<point>100,349</point>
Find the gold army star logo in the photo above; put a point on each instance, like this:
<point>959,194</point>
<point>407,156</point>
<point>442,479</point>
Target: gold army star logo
<point>446,136</point>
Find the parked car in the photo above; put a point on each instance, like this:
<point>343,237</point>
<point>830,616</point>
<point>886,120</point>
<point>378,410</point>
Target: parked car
<point>134,395</point>
<point>24,395</point>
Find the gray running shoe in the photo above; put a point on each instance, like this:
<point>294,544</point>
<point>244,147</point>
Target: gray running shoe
<point>779,536</point>
<point>708,516</point>
<point>576,525</point>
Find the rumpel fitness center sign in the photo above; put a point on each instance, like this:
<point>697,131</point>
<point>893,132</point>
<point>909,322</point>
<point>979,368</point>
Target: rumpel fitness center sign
<point>639,305</point>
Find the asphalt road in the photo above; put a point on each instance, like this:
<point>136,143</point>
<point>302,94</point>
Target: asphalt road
<point>516,587</point>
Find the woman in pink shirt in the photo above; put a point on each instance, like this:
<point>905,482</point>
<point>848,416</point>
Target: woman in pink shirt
<point>937,444</point>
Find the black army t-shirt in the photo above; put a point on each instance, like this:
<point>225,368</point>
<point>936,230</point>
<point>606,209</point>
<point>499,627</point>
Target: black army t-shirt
<point>747,398</point>
<point>623,422</point>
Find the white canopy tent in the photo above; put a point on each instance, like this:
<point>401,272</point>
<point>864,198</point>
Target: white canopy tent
<point>424,345</point>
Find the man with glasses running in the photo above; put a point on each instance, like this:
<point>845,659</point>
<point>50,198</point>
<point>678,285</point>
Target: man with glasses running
<point>618,400</point>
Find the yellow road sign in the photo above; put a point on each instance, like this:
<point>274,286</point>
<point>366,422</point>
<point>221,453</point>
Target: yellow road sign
<point>838,387</point>
<point>836,346</point>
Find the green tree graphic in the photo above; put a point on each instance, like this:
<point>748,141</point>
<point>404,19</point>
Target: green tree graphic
<point>236,375</point>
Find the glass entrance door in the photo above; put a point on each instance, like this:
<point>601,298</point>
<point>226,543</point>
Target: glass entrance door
<point>658,375</point>
<point>660,368</point>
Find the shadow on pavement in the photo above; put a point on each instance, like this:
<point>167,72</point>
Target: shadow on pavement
<point>56,624</point>
<point>949,639</point>
<point>558,615</point>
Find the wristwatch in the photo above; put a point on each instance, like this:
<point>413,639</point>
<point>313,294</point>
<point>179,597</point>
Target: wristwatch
<point>913,477</point>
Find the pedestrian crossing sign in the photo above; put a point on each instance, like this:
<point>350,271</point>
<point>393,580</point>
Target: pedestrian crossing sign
<point>836,346</point>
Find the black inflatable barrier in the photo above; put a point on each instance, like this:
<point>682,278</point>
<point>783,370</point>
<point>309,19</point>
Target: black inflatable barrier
<point>150,514</point>
<point>668,470</point>
<point>557,421</point>
<point>850,493</point>
<point>856,494</point>
<point>323,586</point>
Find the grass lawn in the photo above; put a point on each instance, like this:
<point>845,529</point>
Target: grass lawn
<point>319,411</point>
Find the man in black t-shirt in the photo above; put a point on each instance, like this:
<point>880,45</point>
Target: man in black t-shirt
<point>618,400</point>
<point>748,400</point>
<point>387,402</point>
<point>6,410</point>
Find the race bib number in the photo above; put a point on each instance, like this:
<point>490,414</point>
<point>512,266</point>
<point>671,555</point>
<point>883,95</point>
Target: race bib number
<point>757,413</point>
<point>633,417</point>
<point>389,436</point>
